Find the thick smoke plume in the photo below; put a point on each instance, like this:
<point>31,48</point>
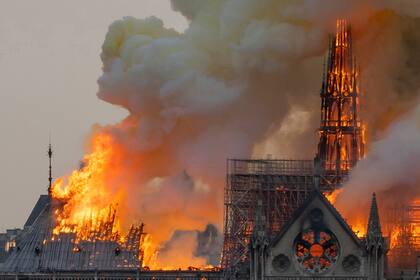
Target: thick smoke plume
<point>198,247</point>
<point>242,80</point>
<point>391,170</point>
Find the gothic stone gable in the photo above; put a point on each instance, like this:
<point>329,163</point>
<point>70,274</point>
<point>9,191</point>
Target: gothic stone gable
<point>316,242</point>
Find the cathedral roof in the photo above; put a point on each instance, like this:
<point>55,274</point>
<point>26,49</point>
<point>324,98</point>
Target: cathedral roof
<point>39,250</point>
<point>26,256</point>
<point>317,194</point>
<point>40,205</point>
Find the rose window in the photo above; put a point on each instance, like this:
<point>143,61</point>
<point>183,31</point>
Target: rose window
<point>316,250</point>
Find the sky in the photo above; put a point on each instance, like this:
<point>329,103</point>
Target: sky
<point>49,65</point>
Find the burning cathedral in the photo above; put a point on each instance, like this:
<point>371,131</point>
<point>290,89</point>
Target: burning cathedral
<point>279,219</point>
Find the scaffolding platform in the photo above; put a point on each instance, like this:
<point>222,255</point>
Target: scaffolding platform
<point>281,185</point>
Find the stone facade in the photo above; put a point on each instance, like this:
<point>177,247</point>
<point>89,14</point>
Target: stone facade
<point>317,243</point>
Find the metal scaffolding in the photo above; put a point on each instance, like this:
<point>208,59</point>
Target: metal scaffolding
<point>282,185</point>
<point>403,224</point>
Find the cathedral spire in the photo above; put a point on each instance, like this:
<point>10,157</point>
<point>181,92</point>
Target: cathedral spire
<point>374,225</point>
<point>341,133</point>
<point>50,153</point>
<point>375,243</point>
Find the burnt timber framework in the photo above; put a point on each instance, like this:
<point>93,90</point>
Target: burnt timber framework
<point>342,132</point>
<point>40,250</point>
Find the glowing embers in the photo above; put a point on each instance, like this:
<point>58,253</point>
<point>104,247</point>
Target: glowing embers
<point>316,250</point>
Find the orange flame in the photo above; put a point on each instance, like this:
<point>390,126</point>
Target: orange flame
<point>400,233</point>
<point>357,222</point>
<point>88,200</point>
<point>339,149</point>
<point>332,197</point>
<point>87,204</point>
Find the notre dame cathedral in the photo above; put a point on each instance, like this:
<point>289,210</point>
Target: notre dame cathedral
<point>278,222</point>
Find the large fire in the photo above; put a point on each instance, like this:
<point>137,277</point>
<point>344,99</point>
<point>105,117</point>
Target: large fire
<point>87,204</point>
<point>402,227</point>
<point>89,200</point>
<point>358,223</point>
<point>342,145</point>
<point>342,130</point>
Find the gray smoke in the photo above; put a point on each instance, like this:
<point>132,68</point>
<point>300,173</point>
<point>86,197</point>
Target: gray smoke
<point>207,245</point>
<point>391,170</point>
<point>241,81</point>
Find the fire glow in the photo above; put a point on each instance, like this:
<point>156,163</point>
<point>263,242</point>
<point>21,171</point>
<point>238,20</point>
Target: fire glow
<point>87,199</point>
<point>340,150</point>
<point>397,229</point>
<point>90,199</point>
<point>87,206</point>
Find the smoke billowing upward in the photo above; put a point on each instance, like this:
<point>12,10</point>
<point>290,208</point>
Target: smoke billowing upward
<point>242,80</point>
<point>391,169</point>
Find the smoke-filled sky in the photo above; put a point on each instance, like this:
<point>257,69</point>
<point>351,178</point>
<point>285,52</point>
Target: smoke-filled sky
<point>242,80</point>
<point>49,65</point>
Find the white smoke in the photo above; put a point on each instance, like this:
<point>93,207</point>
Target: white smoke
<point>390,169</point>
